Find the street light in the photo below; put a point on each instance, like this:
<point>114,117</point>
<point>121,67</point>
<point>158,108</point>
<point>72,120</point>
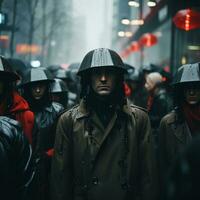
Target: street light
<point>125,34</point>
<point>133,3</point>
<point>125,21</point>
<point>121,33</point>
<point>137,22</point>
<point>151,3</point>
<point>128,34</point>
<point>3,18</point>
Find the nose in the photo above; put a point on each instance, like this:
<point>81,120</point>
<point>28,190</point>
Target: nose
<point>103,77</point>
<point>37,89</point>
<point>192,92</point>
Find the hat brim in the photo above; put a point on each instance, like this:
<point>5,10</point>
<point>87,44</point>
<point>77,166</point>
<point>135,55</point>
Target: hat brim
<point>8,76</point>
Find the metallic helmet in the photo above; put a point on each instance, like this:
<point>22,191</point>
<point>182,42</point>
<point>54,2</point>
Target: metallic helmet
<point>53,69</point>
<point>186,74</point>
<point>6,71</point>
<point>61,74</point>
<point>33,75</point>
<point>101,57</point>
<point>58,86</point>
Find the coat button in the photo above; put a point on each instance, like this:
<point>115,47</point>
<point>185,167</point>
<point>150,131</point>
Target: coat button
<point>95,180</point>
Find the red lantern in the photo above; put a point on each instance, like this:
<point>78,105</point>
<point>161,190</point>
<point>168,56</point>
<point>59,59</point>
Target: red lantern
<point>135,46</point>
<point>125,53</point>
<point>187,19</point>
<point>148,40</point>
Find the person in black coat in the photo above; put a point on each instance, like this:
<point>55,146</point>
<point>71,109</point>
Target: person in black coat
<point>37,91</point>
<point>16,169</point>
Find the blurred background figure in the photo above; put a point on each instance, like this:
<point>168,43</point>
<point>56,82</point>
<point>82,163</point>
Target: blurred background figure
<point>135,82</point>
<point>147,69</point>
<point>53,69</point>
<point>37,91</point>
<point>159,102</point>
<point>19,67</point>
<point>59,92</point>
<point>183,180</point>
<point>73,84</point>
<point>179,127</point>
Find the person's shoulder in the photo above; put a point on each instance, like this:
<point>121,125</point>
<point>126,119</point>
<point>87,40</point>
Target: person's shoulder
<point>72,112</point>
<point>138,109</point>
<point>10,128</point>
<point>57,107</point>
<point>29,115</point>
<point>170,117</point>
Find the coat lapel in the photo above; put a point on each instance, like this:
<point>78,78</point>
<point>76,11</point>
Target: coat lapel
<point>181,133</point>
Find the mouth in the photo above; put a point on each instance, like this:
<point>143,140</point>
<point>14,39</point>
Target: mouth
<point>103,86</point>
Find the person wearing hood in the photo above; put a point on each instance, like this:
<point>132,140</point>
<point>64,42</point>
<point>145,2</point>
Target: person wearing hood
<point>36,88</point>
<point>103,146</point>
<point>59,92</point>
<point>16,165</point>
<point>135,81</point>
<point>11,103</point>
<point>182,125</point>
<point>158,102</point>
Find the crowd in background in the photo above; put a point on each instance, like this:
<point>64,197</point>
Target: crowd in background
<point>32,100</point>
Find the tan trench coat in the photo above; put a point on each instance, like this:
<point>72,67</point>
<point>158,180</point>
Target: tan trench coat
<point>77,175</point>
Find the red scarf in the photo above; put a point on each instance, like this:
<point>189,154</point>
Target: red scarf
<point>127,90</point>
<point>192,116</point>
<point>150,102</point>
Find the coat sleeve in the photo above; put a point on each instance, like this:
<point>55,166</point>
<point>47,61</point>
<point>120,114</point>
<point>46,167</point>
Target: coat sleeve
<point>162,153</point>
<point>62,162</point>
<point>148,179</point>
<point>24,165</point>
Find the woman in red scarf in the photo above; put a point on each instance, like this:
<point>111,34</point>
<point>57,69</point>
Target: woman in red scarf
<point>179,128</point>
<point>12,104</point>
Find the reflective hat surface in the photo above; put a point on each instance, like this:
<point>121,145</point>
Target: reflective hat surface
<point>101,57</point>
<point>36,75</point>
<point>187,73</point>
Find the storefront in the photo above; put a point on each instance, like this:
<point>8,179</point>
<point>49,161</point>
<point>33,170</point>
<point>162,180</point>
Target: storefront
<point>177,39</point>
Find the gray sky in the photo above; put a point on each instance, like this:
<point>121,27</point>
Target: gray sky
<point>98,16</point>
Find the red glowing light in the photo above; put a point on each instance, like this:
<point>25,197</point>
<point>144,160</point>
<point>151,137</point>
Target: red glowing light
<point>148,40</point>
<point>187,19</point>
<point>134,46</point>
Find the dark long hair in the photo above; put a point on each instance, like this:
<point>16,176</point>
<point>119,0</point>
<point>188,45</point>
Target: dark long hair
<point>117,97</point>
<point>179,98</point>
<point>7,95</point>
<point>37,104</point>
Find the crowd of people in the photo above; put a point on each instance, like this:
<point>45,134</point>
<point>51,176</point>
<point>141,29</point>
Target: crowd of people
<point>100,130</point>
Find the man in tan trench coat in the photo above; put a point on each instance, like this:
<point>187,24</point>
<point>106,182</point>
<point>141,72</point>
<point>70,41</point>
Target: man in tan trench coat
<point>103,146</point>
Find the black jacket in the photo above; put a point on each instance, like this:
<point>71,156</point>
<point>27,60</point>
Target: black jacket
<point>162,104</point>
<point>46,119</point>
<point>15,161</point>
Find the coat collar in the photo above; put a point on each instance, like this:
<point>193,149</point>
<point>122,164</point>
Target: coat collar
<point>127,108</point>
<point>83,112</point>
<point>180,130</point>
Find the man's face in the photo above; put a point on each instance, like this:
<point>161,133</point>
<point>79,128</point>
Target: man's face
<point>103,81</point>
<point>38,90</point>
<point>192,95</point>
